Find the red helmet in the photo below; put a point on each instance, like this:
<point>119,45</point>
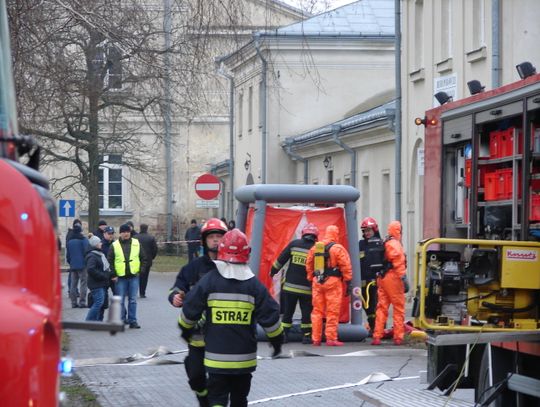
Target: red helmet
<point>213,225</point>
<point>234,247</point>
<point>310,229</point>
<point>369,223</point>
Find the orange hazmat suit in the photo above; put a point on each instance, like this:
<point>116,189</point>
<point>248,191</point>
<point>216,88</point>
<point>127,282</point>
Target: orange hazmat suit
<point>327,295</point>
<point>390,288</point>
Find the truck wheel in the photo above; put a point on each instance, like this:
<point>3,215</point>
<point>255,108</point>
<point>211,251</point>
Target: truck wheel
<point>501,366</point>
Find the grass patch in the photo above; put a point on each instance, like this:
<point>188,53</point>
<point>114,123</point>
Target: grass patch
<point>164,264</point>
<point>75,392</point>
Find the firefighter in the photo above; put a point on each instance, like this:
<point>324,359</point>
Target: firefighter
<point>391,284</point>
<point>234,301</point>
<point>327,285</point>
<point>211,234</point>
<point>371,249</point>
<point>297,289</point>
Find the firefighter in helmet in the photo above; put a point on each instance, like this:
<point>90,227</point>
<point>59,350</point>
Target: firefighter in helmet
<point>327,285</point>
<point>234,301</point>
<point>371,249</point>
<point>212,232</point>
<point>297,289</point>
<point>391,286</point>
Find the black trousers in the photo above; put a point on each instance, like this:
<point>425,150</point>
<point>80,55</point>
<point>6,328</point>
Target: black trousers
<point>372,304</point>
<point>143,278</point>
<point>193,252</point>
<point>196,373</point>
<point>223,386</point>
<point>306,306</point>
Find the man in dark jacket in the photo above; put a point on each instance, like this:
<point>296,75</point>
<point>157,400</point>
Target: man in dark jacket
<point>75,251</point>
<point>193,236</point>
<point>149,245</point>
<point>102,225</point>
<point>126,257</point>
<point>99,275</point>
<point>108,239</point>
<point>234,301</point>
<point>371,250</point>
<point>211,234</point>
<point>297,288</point>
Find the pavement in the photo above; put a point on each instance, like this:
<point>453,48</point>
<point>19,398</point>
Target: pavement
<point>327,379</point>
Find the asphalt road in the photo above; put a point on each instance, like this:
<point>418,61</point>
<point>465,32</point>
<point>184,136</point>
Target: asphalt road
<point>327,378</point>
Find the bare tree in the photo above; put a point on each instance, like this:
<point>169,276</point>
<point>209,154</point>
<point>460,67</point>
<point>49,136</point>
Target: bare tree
<point>89,75</point>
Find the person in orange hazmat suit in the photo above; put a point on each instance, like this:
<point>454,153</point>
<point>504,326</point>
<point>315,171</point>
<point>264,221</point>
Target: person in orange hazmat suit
<point>327,284</point>
<point>391,286</point>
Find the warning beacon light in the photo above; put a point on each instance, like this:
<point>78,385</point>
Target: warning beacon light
<point>425,121</point>
<point>525,69</point>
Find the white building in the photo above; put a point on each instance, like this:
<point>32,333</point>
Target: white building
<point>445,44</point>
<point>313,104</point>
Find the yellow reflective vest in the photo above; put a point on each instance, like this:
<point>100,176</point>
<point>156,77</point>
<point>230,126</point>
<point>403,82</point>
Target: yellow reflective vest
<point>120,259</point>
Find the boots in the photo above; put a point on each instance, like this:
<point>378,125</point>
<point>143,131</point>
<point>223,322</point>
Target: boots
<point>203,401</point>
<point>306,339</point>
<point>286,335</point>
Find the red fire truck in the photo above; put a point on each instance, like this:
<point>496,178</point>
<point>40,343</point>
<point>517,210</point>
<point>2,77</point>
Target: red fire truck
<point>30,288</point>
<point>478,271</point>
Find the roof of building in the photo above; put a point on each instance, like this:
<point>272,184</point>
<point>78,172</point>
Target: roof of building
<point>356,122</point>
<point>367,17</point>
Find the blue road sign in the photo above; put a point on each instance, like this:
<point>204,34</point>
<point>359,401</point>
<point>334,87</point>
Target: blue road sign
<point>66,208</point>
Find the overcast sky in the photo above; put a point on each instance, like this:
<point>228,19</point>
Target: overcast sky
<point>321,4</point>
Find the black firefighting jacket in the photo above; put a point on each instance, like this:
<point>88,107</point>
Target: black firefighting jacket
<point>296,277</point>
<point>232,308</point>
<point>371,257</point>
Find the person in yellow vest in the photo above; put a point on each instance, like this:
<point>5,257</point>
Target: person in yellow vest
<point>126,257</point>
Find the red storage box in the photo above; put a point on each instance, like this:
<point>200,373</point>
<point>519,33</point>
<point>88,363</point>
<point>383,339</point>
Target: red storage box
<point>494,144</point>
<point>491,180</point>
<point>506,142</point>
<point>535,207</point>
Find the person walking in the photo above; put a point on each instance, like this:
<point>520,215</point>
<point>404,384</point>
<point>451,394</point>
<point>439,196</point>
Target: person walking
<point>75,251</point>
<point>234,301</point>
<point>148,243</point>
<point>327,286</point>
<point>99,275</point>
<point>126,257</point>
<point>193,237</point>
<point>391,285</point>
<point>69,235</point>
<point>297,288</point>
<point>211,234</point>
<point>371,249</point>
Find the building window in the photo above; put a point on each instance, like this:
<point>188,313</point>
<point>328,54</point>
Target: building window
<point>250,108</point>
<point>418,34</point>
<point>385,198</point>
<point>113,77</point>
<point>330,177</point>
<point>365,195</point>
<point>240,113</point>
<point>446,29</point>
<point>478,24</point>
<point>110,182</point>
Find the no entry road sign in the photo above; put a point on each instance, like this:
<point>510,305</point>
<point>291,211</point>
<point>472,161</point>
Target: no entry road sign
<point>207,186</point>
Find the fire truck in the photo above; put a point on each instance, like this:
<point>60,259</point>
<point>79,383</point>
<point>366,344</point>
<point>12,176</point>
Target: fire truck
<point>30,287</point>
<point>477,273</point>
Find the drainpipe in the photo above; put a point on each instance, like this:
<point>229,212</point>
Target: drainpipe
<point>297,157</point>
<point>262,107</point>
<point>335,139</point>
<point>222,72</point>
<point>167,23</point>
<point>496,45</point>
<point>397,131</point>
